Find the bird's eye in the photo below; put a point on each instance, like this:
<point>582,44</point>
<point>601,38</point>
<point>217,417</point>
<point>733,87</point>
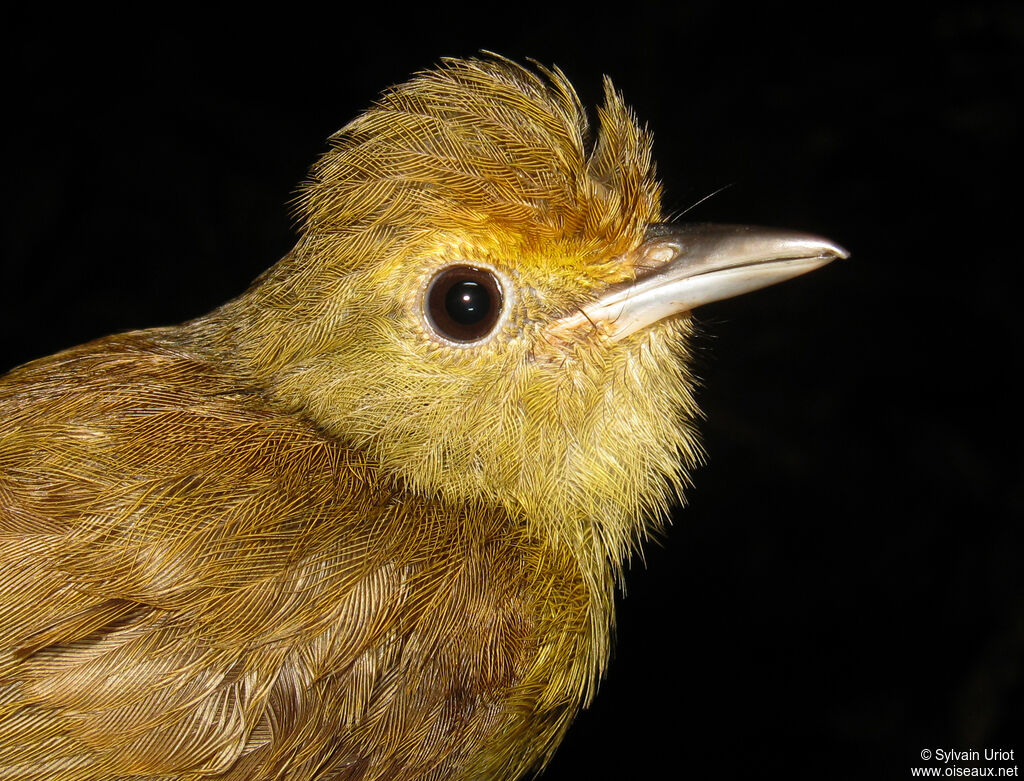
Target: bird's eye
<point>463,303</point>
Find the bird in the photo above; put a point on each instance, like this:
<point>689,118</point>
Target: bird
<point>367,519</point>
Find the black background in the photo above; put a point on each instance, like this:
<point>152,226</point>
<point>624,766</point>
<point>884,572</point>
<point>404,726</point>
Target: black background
<point>845,588</point>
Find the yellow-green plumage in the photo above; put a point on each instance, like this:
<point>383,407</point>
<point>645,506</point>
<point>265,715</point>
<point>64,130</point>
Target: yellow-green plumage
<point>299,537</point>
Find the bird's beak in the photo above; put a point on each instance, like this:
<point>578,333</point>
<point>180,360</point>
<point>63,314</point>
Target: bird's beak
<point>681,267</point>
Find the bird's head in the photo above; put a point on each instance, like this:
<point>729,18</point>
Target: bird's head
<point>482,299</point>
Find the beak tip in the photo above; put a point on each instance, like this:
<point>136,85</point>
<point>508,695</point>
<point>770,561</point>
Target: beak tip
<point>809,246</point>
<point>837,252</point>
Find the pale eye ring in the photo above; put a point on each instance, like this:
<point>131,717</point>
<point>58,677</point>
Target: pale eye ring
<point>463,303</point>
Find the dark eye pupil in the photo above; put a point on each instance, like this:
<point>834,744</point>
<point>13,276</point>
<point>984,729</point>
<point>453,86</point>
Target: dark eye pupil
<point>463,303</point>
<point>468,302</point>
